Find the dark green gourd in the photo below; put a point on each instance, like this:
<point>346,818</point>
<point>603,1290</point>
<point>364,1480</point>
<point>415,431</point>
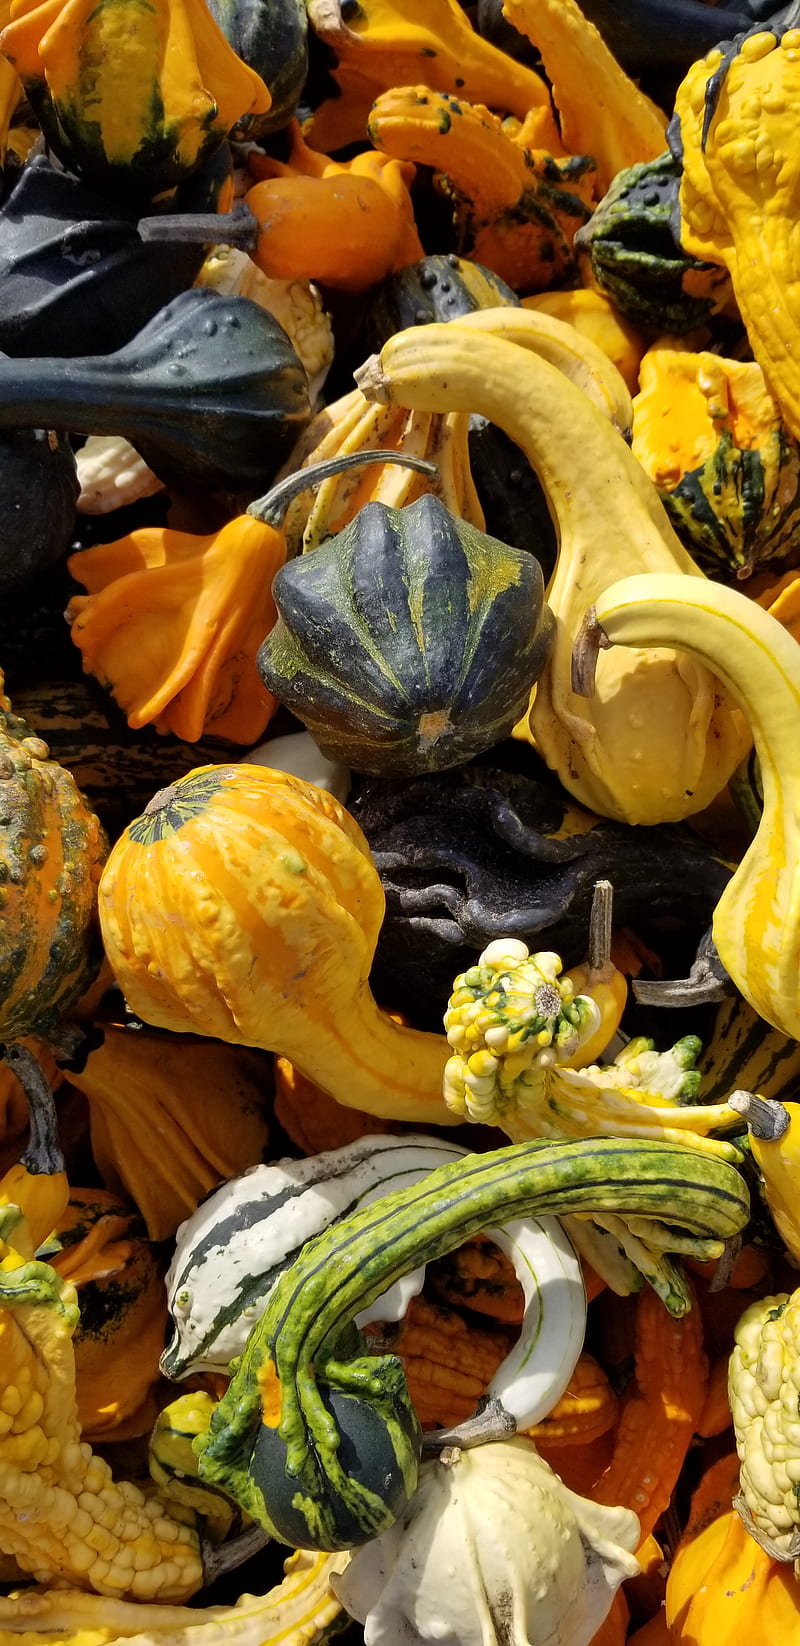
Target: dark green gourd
<point>440,287</point>
<point>210,392</point>
<point>271,37</point>
<point>637,261</point>
<point>38,493</point>
<point>409,641</point>
<point>319,1441</point>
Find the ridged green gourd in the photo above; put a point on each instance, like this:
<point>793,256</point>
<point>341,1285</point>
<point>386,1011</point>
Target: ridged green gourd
<point>410,641</point>
<point>318,1441</point>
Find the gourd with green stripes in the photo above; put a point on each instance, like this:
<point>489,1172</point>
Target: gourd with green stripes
<point>318,1441</point>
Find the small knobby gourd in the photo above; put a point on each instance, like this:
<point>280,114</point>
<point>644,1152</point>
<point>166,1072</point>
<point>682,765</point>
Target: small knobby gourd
<point>741,186</point>
<point>661,737</point>
<point>756,925</point>
<point>516,209</point>
<point>408,642</point>
<point>52,853</point>
<point>172,622</point>
<point>316,1440</point>
<point>347,224</point>
<point>763,1378</point>
<point>128,108</point>
<point>711,438</point>
<point>402,42</point>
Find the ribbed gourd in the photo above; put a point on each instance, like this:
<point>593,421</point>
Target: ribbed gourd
<point>661,737</point>
<point>52,854</point>
<point>409,642</point>
<point>711,437</point>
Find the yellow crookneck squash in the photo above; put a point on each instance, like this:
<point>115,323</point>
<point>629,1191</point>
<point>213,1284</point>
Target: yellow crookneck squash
<point>661,737</point>
<point>601,111</point>
<point>402,42</point>
<point>133,100</point>
<point>516,209</point>
<point>345,224</point>
<point>740,190</point>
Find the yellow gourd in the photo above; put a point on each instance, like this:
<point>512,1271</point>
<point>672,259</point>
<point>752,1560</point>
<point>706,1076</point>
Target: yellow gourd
<point>661,737</point>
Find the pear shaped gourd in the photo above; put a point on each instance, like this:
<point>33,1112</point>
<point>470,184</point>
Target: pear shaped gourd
<point>756,925</point>
<point>661,737</point>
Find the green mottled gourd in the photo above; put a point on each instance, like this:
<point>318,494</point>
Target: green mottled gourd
<point>320,1442</point>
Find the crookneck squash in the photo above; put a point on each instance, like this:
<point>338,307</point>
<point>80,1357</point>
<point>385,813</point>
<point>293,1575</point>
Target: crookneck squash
<point>661,737</point>
<point>315,1437</point>
<point>402,42</point>
<point>711,438</point>
<point>52,853</point>
<point>409,642</point>
<point>732,133</point>
<point>131,105</point>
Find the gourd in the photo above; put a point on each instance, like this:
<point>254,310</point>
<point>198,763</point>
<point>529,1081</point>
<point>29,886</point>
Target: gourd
<point>448,1361</point>
<point>631,253</point>
<point>600,110</point>
<point>661,737</point>
<point>297,305</point>
<point>400,42</point>
<point>205,1101</point>
<point>210,392</point>
<point>711,438</point>
<point>34,1191</point>
<point>75,276</point>
<point>272,40</point>
<point>291,871</point>
<point>230,1255</point>
<point>346,224</point>
<point>740,188</point>
<point>755,925</point>
<point>774,1131</point>
<point>127,108</point>
<point>38,490</point>
<point>596,317</point>
<point>722,1588</point>
<point>313,1120</point>
<point>468,855</point>
<point>743,1053</point>
<point>438,287</point>
<point>104,1253</point>
<point>309,1433</point>
<point>587,1409</point>
<point>172,622</point>
<point>53,850</point>
<point>515,208</point>
<point>398,660</point>
<point>297,1611</point>
<point>549,1569</point>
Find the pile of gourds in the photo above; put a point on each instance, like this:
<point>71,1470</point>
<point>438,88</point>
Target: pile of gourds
<point>399,848</point>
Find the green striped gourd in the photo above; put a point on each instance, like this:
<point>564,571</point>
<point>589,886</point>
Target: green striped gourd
<point>318,1441</point>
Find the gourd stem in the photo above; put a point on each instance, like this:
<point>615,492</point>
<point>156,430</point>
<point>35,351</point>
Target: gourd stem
<point>490,1423</point>
<point>42,1156</point>
<point>220,1558</point>
<point>590,640</point>
<point>271,508</point>
<point>600,918</point>
<point>238,228</point>
<point>766,1117</point>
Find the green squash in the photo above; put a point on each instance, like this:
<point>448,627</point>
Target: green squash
<point>270,36</point>
<point>635,258</point>
<point>440,287</point>
<point>408,642</point>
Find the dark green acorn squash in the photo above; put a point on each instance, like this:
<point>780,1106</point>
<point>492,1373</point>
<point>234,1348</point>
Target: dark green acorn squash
<point>210,392</point>
<point>38,493</point>
<point>271,36</point>
<point>75,276</point>
<point>408,642</point>
<point>636,259</point>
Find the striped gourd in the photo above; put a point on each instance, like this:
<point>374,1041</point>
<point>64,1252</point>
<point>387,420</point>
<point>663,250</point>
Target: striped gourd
<point>318,1441</point>
<point>746,1054</point>
<point>230,1253</point>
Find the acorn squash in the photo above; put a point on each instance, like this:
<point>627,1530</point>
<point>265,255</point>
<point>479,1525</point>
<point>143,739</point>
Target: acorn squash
<point>409,642</point>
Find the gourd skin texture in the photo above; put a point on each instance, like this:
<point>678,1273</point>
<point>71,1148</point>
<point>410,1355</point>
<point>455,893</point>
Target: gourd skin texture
<point>711,438</point>
<point>408,642</point>
<point>740,193</point>
<point>53,851</point>
<point>764,1393</point>
<point>660,738</point>
<point>756,925</point>
<point>273,910</point>
<point>132,99</point>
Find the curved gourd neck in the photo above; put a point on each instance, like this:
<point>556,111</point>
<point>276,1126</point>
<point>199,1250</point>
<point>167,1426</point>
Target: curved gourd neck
<point>593,483</point>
